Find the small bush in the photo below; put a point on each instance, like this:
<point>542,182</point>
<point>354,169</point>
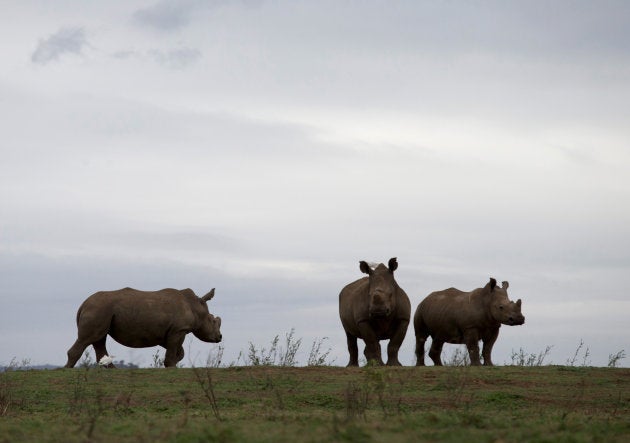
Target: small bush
<point>459,357</point>
<point>316,357</point>
<point>275,355</point>
<point>572,361</point>
<point>614,359</point>
<point>215,358</point>
<point>521,358</point>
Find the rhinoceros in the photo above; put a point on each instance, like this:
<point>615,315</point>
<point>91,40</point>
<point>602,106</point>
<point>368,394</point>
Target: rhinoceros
<point>454,316</point>
<point>141,319</point>
<point>375,308</point>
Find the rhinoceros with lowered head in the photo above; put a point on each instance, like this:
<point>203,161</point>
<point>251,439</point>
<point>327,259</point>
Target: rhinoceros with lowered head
<point>375,308</point>
<point>454,316</point>
<point>141,319</point>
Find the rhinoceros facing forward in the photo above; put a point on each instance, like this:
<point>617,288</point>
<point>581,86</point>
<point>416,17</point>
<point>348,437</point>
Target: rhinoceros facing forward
<point>454,316</point>
<point>375,308</point>
<point>141,319</point>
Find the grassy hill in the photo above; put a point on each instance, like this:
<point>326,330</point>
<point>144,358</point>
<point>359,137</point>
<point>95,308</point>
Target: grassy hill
<point>314,404</point>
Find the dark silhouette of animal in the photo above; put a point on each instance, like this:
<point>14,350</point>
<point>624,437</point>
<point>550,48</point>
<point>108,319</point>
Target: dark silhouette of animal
<point>375,308</point>
<point>454,316</point>
<point>141,319</point>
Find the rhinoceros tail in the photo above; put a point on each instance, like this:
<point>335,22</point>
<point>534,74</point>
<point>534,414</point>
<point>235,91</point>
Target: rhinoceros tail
<point>79,313</point>
<point>80,310</point>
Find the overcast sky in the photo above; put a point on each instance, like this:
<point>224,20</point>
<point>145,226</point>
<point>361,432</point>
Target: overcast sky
<point>266,147</point>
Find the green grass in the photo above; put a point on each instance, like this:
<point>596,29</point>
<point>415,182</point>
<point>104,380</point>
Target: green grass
<point>313,404</point>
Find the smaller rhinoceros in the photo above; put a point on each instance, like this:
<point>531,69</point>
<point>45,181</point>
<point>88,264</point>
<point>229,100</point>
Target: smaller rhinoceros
<point>454,316</point>
<point>375,308</point>
<point>141,319</point>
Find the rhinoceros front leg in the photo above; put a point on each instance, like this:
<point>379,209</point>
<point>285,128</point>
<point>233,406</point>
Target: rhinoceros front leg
<point>180,354</point>
<point>488,343</point>
<point>372,350</point>
<point>353,349</point>
<point>174,350</point>
<point>395,342</point>
<point>471,338</point>
<point>373,353</point>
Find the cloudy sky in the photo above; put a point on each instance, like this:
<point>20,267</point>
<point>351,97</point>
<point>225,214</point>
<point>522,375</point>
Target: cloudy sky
<point>266,147</point>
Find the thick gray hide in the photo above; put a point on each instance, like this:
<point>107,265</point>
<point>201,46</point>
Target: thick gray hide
<point>141,319</point>
<point>375,308</point>
<point>454,316</point>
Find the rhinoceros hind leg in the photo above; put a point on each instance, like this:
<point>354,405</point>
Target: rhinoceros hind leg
<point>101,351</point>
<point>420,341</point>
<point>75,352</point>
<point>436,351</point>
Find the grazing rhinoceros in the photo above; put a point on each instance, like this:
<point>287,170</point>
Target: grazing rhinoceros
<point>454,316</point>
<point>140,319</point>
<point>375,308</point>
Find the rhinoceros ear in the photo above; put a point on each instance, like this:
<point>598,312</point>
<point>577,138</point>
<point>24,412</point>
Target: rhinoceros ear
<point>505,285</point>
<point>492,284</point>
<point>208,296</point>
<point>392,264</point>
<point>365,267</point>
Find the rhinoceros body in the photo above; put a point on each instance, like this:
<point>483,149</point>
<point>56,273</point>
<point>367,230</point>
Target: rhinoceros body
<point>141,319</point>
<point>454,316</point>
<point>375,308</point>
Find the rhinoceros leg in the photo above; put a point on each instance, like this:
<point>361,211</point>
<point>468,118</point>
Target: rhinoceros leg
<point>101,351</point>
<point>174,350</point>
<point>471,338</point>
<point>488,343</point>
<point>180,354</point>
<point>422,334</point>
<point>89,334</point>
<point>373,353</point>
<point>353,349</point>
<point>75,352</point>
<point>420,341</point>
<point>435,351</point>
<point>394,344</point>
<point>372,350</point>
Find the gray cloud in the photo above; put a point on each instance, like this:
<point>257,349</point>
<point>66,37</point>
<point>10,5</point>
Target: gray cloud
<point>169,15</point>
<point>69,40</point>
<point>173,15</point>
<point>176,58</point>
<point>470,140</point>
<point>165,15</point>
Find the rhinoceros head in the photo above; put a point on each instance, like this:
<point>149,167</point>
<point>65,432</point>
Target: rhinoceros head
<point>209,326</point>
<point>382,290</point>
<point>502,309</point>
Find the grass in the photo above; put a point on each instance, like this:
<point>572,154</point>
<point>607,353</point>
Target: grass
<point>319,403</point>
